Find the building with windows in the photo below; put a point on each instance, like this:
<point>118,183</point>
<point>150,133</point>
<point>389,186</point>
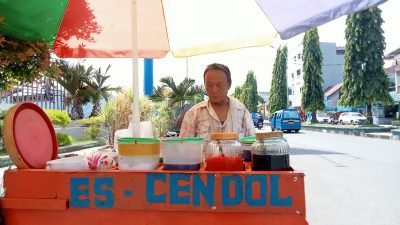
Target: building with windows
<point>332,70</point>
<point>393,71</point>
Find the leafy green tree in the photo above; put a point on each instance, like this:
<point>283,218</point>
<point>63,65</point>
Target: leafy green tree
<point>250,94</point>
<point>178,96</point>
<point>365,82</point>
<point>312,94</point>
<point>74,79</point>
<point>238,93</point>
<point>97,89</point>
<point>278,99</point>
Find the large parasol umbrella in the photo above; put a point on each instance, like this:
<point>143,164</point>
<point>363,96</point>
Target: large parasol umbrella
<point>152,28</point>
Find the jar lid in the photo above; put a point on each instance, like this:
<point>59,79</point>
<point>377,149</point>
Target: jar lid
<point>131,140</point>
<point>223,136</point>
<point>248,140</point>
<point>184,139</point>
<point>273,134</point>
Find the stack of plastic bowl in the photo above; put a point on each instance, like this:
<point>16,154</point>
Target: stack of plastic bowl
<point>246,143</point>
<point>68,163</point>
<point>182,153</point>
<point>138,153</point>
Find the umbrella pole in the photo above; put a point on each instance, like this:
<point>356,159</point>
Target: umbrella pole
<point>135,85</point>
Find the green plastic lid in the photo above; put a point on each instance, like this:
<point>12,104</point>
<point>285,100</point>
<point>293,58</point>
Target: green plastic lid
<point>247,140</point>
<point>184,139</point>
<point>131,140</point>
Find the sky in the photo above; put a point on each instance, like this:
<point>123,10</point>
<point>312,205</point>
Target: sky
<point>258,59</point>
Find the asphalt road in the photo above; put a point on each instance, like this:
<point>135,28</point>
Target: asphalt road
<point>349,179</point>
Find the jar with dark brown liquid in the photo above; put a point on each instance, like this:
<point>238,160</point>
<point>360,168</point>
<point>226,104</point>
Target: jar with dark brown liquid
<point>270,152</point>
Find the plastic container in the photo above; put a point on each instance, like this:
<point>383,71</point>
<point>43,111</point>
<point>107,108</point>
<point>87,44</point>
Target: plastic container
<point>270,152</point>
<point>182,153</point>
<point>246,143</point>
<point>224,153</point>
<point>69,163</point>
<point>29,137</point>
<point>138,153</point>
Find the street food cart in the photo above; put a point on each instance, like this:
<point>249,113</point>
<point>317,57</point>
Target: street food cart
<point>113,196</point>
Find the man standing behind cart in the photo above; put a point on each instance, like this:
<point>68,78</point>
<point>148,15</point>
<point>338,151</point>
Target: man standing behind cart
<point>220,113</point>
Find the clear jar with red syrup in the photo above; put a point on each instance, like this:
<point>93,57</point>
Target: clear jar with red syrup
<point>224,153</point>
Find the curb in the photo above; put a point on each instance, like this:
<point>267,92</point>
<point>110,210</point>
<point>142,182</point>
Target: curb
<point>368,132</point>
<point>5,161</point>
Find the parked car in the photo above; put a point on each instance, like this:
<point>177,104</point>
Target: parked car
<point>351,118</point>
<point>322,117</point>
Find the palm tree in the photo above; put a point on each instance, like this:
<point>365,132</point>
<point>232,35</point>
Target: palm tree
<point>178,96</point>
<point>97,89</point>
<point>74,78</point>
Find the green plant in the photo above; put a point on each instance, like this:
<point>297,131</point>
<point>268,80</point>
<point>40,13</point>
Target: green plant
<point>396,123</point>
<point>2,115</point>
<point>364,79</point>
<point>58,117</point>
<point>178,95</point>
<point>92,132</point>
<point>312,93</point>
<point>23,61</point>
<point>278,98</point>
<point>98,89</point>
<point>92,121</point>
<point>64,139</point>
<point>93,124</point>
<point>162,119</point>
<point>116,113</point>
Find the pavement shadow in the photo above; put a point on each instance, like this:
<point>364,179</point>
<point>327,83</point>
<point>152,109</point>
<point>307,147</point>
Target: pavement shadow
<point>302,151</point>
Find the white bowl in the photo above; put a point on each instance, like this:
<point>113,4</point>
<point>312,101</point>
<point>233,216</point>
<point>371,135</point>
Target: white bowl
<point>69,163</point>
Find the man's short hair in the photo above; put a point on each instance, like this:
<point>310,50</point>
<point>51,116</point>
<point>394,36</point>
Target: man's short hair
<point>221,67</point>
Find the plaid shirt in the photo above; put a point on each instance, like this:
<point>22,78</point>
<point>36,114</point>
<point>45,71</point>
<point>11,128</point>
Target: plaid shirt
<point>201,120</point>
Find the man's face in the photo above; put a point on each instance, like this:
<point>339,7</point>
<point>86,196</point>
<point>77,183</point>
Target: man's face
<point>216,83</point>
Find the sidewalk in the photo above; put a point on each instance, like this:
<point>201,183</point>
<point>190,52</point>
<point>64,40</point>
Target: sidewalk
<point>381,132</point>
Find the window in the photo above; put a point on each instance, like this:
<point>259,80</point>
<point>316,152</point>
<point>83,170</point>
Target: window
<point>292,75</point>
<point>299,56</point>
<point>291,114</point>
<point>298,72</point>
<point>339,51</point>
<point>392,82</point>
<point>398,82</point>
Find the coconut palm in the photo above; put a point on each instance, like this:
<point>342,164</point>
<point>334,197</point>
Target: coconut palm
<point>98,90</point>
<point>178,96</point>
<point>74,78</point>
